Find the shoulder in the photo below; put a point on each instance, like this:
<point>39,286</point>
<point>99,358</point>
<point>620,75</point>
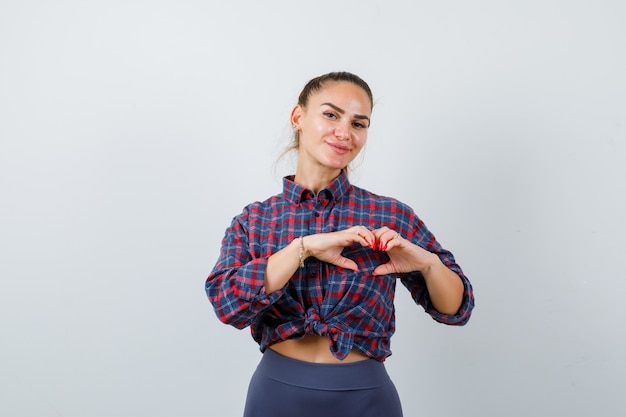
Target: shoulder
<point>268,206</point>
<point>381,201</point>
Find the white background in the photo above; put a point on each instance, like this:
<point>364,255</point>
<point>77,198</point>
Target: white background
<point>131,132</point>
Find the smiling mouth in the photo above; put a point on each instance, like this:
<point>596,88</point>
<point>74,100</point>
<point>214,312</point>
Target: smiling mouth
<point>340,149</point>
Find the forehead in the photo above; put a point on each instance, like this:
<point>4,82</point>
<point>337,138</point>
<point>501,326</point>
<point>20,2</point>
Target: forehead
<point>346,95</point>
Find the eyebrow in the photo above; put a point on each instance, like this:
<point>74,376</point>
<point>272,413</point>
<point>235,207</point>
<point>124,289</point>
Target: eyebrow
<point>342,111</point>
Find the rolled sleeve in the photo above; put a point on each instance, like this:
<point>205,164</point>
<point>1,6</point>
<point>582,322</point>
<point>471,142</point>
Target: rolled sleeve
<point>236,286</point>
<point>416,284</point>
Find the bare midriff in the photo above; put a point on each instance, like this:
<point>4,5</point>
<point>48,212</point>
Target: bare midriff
<point>313,348</point>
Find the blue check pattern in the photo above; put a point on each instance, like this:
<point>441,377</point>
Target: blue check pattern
<point>354,309</point>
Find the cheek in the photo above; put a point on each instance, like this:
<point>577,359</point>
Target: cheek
<point>323,127</point>
<point>361,140</point>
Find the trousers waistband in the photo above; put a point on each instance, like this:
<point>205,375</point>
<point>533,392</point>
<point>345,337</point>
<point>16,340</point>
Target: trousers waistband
<point>364,374</point>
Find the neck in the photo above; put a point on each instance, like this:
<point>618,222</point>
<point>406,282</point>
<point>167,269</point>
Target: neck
<point>315,180</point>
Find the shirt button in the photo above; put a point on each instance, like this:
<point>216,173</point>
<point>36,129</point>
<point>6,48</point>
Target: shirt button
<point>316,214</point>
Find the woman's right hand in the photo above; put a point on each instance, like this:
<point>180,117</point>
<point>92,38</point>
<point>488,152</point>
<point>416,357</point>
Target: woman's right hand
<point>327,247</point>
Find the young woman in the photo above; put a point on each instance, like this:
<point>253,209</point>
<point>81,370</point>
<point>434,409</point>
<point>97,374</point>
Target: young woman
<point>313,270</point>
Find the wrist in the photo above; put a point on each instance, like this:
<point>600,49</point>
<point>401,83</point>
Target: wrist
<point>302,251</point>
<point>432,265</point>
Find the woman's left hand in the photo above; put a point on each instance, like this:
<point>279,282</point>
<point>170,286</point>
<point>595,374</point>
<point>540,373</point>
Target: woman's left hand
<point>444,286</point>
<point>404,256</point>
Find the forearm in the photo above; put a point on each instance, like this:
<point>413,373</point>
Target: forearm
<point>282,265</point>
<point>445,287</point>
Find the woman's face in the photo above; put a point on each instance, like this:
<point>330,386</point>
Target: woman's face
<point>333,126</point>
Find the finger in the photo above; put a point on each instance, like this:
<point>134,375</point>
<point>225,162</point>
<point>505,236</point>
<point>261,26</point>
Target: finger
<point>394,241</point>
<point>387,238</point>
<point>354,237</point>
<point>382,236</point>
<point>383,269</point>
<point>366,235</point>
<point>344,262</point>
<point>378,232</point>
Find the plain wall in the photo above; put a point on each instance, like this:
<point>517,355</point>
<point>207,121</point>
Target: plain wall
<point>131,132</point>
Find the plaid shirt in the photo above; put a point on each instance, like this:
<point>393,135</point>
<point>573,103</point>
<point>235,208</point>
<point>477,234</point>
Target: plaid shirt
<point>354,309</point>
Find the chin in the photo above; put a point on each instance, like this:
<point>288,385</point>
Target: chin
<point>337,166</point>
<point>335,163</point>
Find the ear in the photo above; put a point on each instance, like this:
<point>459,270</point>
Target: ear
<point>296,114</point>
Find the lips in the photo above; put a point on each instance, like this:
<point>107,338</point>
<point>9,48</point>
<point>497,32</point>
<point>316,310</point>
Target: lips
<point>339,148</point>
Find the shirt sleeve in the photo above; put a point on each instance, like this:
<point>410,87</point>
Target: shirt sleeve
<point>235,286</point>
<point>416,284</point>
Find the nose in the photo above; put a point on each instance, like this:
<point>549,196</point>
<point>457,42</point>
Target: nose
<point>342,131</point>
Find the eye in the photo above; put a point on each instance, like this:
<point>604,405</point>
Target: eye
<point>330,115</point>
<point>359,125</point>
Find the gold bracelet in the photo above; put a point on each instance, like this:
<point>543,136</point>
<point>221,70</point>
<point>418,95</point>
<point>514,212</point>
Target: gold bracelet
<point>301,252</point>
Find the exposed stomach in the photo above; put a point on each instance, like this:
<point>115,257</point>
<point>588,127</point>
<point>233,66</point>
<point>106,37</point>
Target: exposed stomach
<point>313,348</point>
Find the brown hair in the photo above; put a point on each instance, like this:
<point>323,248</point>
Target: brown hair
<point>318,84</point>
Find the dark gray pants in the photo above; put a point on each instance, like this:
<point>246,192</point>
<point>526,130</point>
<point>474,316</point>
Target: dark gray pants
<point>285,387</point>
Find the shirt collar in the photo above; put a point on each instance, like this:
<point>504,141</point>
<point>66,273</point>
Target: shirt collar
<point>335,190</point>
